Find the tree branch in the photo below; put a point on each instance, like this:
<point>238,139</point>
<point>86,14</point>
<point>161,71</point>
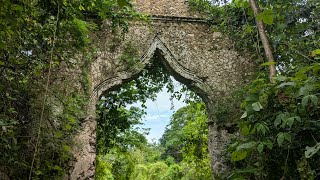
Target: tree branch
<point>264,39</point>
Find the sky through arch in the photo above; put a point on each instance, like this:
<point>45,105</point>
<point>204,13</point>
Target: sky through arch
<point>159,111</point>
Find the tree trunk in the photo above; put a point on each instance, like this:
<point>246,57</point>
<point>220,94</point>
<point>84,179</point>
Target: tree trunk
<point>264,39</point>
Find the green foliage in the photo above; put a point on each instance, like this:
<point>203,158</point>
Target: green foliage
<point>114,116</point>
<point>103,170</point>
<point>186,140</point>
<point>289,24</point>
<point>36,35</point>
<point>174,172</point>
<point>279,128</point>
<point>284,129</point>
<point>195,170</point>
<point>124,147</point>
<point>186,134</point>
<point>130,57</point>
<point>146,161</point>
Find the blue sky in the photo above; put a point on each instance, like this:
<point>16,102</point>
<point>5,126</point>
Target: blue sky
<point>159,113</point>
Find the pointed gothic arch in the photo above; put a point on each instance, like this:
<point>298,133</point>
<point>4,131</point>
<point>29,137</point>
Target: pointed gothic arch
<point>170,62</point>
<point>202,59</point>
<point>87,153</point>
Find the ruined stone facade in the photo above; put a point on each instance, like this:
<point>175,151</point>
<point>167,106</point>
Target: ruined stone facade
<point>194,54</point>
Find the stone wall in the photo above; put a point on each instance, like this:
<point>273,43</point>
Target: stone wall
<point>208,54</point>
<point>194,54</point>
<point>164,7</point>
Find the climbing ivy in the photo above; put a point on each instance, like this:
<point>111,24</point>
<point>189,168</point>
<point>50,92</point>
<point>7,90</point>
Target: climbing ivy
<point>130,57</point>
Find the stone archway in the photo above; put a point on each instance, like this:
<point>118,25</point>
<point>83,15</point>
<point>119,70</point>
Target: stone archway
<point>202,59</point>
<point>180,72</point>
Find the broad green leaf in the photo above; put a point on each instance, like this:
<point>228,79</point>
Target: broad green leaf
<point>244,115</point>
<point>314,99</point>
<point>269,144</point>
<point>316,67</point>
<point>266,16</point>
<point>286,84</point>
<point>280,138</point>
<point>1,63</point>
<point>304,101</point>
<point>310,151</point>
<point>268,19</point>
<point>260,16</point>
<point>298,118</point>
<point>244,130</point>
<point>304,91</point>
<point>238,155</point>
<point>315,52</point>
<point>262,128</point>
<point>252,97</point>
<point>278,120</point>
<point>260,147</point>
<point>257,106</point>
<point>232,147</point>
<point>301,74</point>
<point>290,121</point>
<point>280,78</point>
<point>287,136</point>
<point>248,145</point>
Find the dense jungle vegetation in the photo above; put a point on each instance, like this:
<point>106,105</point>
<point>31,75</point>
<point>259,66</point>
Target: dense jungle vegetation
<point>37,37</point>
<point>277,135</point>
<point>279,129</point>
<point>123,150</point>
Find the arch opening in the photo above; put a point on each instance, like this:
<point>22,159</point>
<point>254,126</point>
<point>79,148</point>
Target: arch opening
<point>142,86</point>
<point>171,64</point>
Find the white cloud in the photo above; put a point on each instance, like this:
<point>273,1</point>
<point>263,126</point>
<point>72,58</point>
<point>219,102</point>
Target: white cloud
<point>159,112</point>
<point>155,117</point>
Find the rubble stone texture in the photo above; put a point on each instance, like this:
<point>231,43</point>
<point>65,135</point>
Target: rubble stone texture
<point>194,54</point>
<point>164,7</point>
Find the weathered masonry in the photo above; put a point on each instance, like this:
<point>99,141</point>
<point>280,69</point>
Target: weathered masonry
<point>202,59</point>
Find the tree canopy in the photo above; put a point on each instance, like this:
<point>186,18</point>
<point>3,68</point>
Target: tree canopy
<point>279,128</point>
